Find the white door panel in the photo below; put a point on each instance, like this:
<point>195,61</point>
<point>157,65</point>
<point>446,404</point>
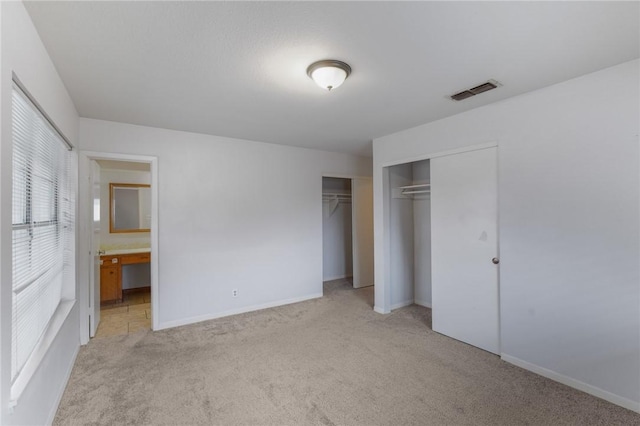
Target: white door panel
<point>362,230</point>
<point>94,267</point>
<point>464,241</point>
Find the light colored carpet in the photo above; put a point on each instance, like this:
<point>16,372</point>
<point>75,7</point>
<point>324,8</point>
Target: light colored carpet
<point>325,361</point>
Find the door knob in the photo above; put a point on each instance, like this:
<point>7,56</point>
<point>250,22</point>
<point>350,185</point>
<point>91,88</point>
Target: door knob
<point>101,252</point>
<point>495,260</point>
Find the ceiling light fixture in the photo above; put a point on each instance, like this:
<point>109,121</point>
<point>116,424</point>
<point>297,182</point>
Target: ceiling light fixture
<point>329,73</point>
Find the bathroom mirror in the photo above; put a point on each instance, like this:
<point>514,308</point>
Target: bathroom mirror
<point>129,207</point>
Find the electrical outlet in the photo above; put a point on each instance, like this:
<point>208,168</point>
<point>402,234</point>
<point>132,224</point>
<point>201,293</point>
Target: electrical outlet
<point>234,292</point>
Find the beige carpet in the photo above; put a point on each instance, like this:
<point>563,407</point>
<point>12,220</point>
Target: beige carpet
<point>326,361</point>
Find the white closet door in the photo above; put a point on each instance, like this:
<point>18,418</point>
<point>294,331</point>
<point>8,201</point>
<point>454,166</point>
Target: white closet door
<point>362,230</point>
<point>464,211</point>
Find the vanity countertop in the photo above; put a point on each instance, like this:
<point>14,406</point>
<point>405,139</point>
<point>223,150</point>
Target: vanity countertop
<point>115,252</point>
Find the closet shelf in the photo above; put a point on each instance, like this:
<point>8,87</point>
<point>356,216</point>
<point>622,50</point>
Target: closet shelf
<point>425,191</point>
<point>336,197</point>
<point>331,194</point>
<point>422,188</point>
<point>422,185</point>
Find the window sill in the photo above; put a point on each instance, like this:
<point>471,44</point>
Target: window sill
<point>38,354</point>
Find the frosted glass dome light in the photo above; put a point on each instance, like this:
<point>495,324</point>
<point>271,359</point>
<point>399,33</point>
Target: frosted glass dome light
<point>329,73</point>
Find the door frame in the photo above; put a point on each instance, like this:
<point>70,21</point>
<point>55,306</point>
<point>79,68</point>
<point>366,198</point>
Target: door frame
<point>338,176</point>
<point>364,261</point>
<point>382,237</point>
<point>94,240</point>
<point>84,252</point>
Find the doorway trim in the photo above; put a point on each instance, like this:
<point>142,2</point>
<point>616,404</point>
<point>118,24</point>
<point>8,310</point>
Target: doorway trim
<point>84,255</point>
<point>436,154</point>
<point>382,299</point>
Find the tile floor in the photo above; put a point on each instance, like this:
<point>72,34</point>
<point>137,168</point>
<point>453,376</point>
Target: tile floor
<point>133,314</point>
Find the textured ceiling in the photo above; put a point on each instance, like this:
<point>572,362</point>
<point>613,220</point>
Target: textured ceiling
<point>237,69</point>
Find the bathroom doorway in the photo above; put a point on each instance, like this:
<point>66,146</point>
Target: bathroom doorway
<point>118,244</point>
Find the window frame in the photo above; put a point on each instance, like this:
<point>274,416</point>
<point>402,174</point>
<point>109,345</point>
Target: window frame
<point>64,183</point>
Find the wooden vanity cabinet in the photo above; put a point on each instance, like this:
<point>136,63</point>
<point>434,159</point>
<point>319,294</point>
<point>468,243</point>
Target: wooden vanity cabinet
<point>110,279</point>
<point>110,287</point>
<point>111,274</point>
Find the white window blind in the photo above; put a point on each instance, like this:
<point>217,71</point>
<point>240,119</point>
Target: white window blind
<point>43,210</point>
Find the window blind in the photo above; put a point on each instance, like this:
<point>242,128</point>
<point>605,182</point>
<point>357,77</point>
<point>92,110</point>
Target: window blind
<point>43,214</point>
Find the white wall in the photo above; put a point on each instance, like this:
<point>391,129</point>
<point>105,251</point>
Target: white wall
<point>422,236</point>
<point>568,224</point>
<point>137,275</point>
<point>233,214</point>
<point>337,247</point>
<point>401,229</point>
<point>23,53</point>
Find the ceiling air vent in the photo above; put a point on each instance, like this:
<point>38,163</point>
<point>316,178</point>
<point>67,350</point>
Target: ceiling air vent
<point>484,87</point>
<point>462,95</point>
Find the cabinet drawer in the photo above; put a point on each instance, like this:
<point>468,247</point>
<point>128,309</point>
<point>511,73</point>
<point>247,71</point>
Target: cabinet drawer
<point>128,259</point>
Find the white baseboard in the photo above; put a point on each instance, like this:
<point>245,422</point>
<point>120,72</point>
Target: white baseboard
<point>337,277</point>
<point>402,304</point>
<point>422,303</point>
<point>67,376</point>
<point>193,320</point>
<point>380,310</point>
<point>577,384</point>
<point>363,286</point>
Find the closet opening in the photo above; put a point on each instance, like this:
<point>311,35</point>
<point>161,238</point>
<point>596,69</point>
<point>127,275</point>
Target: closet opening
<point>441,242</point>
<point>337,230</point>
<point>410,234</point>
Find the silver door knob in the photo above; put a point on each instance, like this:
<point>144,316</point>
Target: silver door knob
<point>495,260</point>
<point>101,252</point>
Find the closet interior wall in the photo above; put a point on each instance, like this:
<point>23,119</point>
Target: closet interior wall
<point>337,246</point>
<point>410,232</point>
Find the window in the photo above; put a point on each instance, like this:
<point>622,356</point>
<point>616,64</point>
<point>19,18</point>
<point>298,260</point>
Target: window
<point>43,220</point>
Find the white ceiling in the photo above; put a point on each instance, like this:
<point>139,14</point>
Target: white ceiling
<point>237,69</point>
